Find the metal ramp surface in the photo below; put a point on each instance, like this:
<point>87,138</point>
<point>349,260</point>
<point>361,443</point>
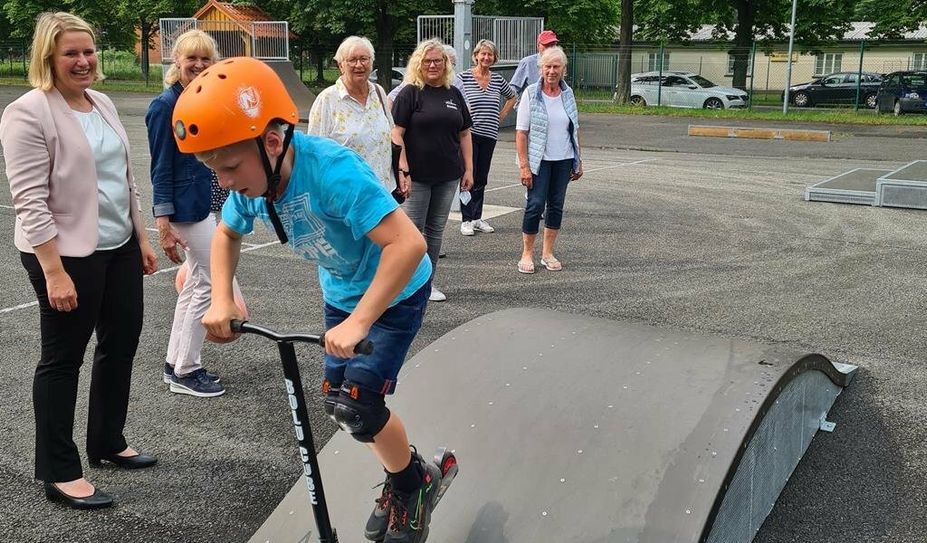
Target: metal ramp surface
<point>299,92</point>
<point>904,187</point>
<point>857,186</point>
<point>577,429</point>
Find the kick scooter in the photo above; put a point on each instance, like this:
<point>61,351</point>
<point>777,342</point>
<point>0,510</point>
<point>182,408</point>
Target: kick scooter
<point>326,533</point>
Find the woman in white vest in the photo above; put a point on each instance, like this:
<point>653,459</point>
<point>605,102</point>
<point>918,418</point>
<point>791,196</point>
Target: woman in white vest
<point>547,140</point>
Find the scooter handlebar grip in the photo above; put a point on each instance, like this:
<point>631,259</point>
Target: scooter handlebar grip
<point>236,325</point>
<point>365,346</point>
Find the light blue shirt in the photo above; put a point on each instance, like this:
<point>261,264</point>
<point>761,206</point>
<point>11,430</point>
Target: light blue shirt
<point>332,200</point>
<point>115,224</point>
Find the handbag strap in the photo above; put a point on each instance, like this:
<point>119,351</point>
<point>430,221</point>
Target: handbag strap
<point>383,105</point>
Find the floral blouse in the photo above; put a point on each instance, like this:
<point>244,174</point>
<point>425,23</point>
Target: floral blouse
<point>364,128</point>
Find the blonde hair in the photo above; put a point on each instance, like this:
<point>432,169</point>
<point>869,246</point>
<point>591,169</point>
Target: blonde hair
<point>349,44</point>
<point>549,53</point>
<point>486,44</point>
<point>48,26</point>
<point>414,74</point>
<point>188,43</point>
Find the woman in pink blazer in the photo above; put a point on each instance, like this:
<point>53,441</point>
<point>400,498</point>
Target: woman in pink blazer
<point>82,241</point>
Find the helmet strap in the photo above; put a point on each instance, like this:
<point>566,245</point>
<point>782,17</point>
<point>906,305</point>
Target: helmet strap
<point>273,180</point>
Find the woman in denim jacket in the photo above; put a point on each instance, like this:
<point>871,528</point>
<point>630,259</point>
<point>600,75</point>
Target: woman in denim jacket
<point>182,197</point>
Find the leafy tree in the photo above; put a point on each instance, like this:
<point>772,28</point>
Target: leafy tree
<point>819,22</point>
<point>892,18</point>
<point>145,15</point>
<point>586,22</point>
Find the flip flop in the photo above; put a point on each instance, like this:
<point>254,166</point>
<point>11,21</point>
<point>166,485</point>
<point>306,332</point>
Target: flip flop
<point>525,266</point>
<point>552,264</point>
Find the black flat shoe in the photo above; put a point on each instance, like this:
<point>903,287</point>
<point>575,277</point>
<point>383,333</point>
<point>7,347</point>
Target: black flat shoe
<point>97,500</point>
<point>127,462</point>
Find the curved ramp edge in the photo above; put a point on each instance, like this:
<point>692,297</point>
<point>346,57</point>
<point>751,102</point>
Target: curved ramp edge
<point>572,428</point>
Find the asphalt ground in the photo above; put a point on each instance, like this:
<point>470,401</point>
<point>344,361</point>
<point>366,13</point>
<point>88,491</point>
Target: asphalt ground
<point>691,233</point>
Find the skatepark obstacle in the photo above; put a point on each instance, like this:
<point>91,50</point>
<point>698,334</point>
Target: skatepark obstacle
<point>578,429</point>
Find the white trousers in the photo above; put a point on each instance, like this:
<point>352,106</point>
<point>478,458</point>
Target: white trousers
<point>188,332</point>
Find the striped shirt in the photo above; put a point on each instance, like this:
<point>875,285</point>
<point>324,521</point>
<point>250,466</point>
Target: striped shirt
<point>484,105</point>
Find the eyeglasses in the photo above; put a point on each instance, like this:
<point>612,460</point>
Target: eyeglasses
<point>359,60</point>
<point>433,61</point>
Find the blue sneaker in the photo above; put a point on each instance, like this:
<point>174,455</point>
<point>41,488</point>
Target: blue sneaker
<point>196,384</point>
<point>169,373</point>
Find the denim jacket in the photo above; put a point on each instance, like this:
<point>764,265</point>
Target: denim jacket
<point>181,182</point>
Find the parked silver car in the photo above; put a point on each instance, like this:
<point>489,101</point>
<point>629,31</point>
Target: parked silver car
<point>398,73</point>
<point>683,89</point>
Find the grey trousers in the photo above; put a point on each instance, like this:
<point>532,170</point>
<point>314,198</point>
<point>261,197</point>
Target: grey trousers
<point>428,207</point>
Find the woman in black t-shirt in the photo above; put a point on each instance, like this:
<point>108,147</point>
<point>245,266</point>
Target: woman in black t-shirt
<point>433,127</point>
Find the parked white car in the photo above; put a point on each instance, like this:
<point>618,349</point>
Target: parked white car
<point>683,89</point>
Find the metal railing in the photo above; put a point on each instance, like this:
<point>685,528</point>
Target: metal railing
<point>265,40</point>
<point>515,37</point>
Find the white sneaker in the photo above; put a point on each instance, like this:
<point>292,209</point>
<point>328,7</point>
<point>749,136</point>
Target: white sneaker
<point>466,228</point>
<point>436,295</point>
<point>483,226</point>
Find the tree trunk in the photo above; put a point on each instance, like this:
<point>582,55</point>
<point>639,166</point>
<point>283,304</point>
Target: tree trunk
<point>319,53</point>
<point>743,41</point>
<point>385,25</point>
<point>144,28</point>
<point>623,89</point>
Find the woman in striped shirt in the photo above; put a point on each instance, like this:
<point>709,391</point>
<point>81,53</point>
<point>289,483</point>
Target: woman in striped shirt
<point>484,91</point>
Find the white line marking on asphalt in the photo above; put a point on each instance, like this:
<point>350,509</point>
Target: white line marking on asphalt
<point>159,272</point>
<point>6,207</point>
<point>619,165</point>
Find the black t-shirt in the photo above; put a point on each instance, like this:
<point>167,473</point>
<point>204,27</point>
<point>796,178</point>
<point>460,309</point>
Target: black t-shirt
<point>433,118</point>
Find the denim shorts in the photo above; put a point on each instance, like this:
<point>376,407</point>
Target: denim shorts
<point>391,334</point>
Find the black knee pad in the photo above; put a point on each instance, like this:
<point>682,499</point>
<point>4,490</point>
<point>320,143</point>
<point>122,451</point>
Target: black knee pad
<point>360,412</point>
<point>331,398</point>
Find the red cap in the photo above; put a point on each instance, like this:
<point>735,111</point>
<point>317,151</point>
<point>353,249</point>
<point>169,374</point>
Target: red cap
<point>547,37</point>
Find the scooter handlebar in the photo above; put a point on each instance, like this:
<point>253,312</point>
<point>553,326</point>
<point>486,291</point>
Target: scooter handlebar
<point>365,346</point>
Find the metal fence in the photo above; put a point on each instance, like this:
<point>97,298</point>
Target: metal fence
<point>266,40</point>
<point>515,37</point>
<point>594,70</point>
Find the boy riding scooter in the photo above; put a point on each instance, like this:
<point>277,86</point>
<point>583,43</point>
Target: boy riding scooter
<point>328,206</point>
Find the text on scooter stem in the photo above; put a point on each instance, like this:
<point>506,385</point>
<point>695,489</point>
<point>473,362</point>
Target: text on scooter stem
<point>303,453</point>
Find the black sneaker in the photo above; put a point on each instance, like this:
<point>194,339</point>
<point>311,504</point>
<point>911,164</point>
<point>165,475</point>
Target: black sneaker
<point>409,515</point>
<point>376,524</point>
<point>169,373</point>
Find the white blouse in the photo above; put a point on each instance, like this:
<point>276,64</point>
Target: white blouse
<point>364,128</point>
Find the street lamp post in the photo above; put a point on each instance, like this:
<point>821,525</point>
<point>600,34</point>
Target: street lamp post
<point>788,71</point>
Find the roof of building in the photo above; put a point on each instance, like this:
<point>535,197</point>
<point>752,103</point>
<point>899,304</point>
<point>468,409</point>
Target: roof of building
<point>859,31</point>
<point>243,15</point>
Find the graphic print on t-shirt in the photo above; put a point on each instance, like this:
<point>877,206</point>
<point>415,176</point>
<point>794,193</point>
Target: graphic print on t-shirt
<point>307,234</point>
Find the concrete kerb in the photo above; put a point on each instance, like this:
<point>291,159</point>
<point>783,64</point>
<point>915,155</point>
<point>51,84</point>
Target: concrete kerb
<point>759,133</point>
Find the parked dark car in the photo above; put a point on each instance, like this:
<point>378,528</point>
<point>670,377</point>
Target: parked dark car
<point>903,92</point>
<point>837,88</point>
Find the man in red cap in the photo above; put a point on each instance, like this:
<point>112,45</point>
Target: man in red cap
<point>528,71</point>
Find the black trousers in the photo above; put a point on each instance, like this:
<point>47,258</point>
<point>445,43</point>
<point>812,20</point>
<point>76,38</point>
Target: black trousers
<point>109,301</point>
<point>483,148</point>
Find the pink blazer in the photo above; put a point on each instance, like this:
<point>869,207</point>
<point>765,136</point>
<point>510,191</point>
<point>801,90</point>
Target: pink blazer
<point>53,175</point>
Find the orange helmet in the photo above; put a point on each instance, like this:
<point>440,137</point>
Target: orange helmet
<point>231,101</point>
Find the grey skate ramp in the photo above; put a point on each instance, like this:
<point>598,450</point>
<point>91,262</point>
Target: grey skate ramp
<point>300,94</point>
<point>857,186</point>
<point>577,429</point>
<point>904,187</point>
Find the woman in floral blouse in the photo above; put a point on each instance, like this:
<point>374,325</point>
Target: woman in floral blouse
<point>353,112</point>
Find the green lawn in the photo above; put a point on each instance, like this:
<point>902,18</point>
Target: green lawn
<point>835,116</point>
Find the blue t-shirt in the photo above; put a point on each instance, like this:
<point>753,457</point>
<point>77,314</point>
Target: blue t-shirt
<point>333,199</point>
